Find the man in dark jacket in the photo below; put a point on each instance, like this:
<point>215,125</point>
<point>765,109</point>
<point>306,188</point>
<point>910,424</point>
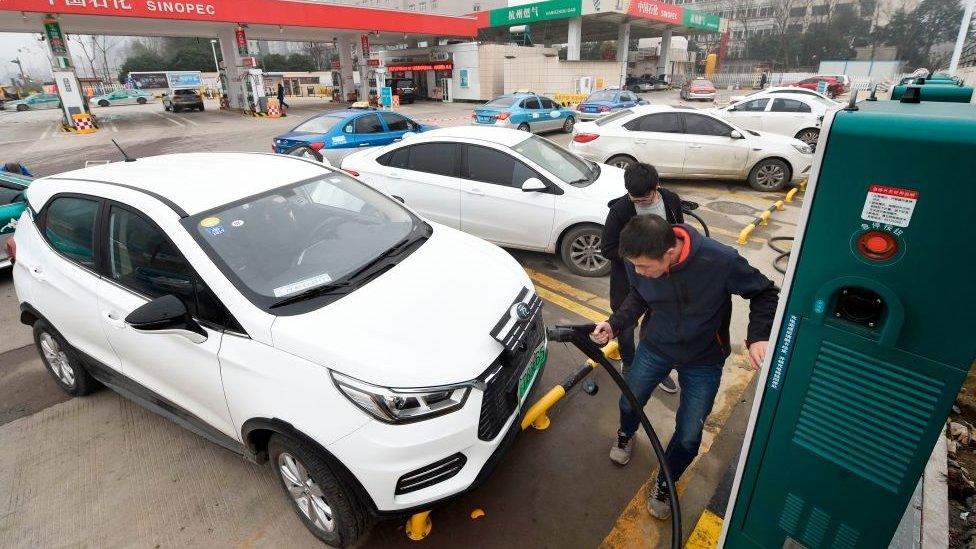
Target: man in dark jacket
<point>685,282</point>
<point>644,197</point>
<point>281,99</point>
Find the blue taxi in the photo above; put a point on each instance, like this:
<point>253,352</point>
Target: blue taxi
<point>528,112</point>
<point>604,102</point>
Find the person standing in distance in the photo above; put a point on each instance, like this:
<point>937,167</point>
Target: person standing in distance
<point>644,197</point>
<point>685,282</point>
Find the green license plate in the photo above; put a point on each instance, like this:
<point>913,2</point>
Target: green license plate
<point>528,376</point>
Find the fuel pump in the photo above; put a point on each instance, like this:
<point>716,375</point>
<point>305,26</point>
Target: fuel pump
<point>874,332</point>
<point>257,101</point>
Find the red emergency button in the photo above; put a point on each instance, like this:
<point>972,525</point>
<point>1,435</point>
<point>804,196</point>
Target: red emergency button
<point>877,245</point>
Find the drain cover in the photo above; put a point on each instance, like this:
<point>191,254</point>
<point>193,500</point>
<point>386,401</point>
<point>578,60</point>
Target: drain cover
<point>732,208</point>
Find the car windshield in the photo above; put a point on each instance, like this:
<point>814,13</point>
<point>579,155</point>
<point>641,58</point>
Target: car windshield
<point>318,233</point>
<point>615,116</point>
<point>823,101</point>
<point>501,102</point>
<point>602,96</point>
<point>319,124</point>
<point>558,161</point>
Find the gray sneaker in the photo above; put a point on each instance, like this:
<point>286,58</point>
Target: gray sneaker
<point>670,384</point>
<point>621,449</point>
<point>658,502</point>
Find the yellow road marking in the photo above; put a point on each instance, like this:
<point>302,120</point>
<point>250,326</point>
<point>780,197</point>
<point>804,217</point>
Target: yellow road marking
<point>572,291</point>
<point>570,305</point>
<point>706,533</point>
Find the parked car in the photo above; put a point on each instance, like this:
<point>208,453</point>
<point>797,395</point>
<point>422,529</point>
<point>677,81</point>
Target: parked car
<point>698,88</point>
<point>793,115</point>
<point>122,97</point>
<point>776,90</point>
<point>657,82</point>
<point>340,132</point>
<point>834,86</point>
<point>604,102</point>
<point>405,88</point>
<point>206,302</point>
<point>177,100</point>
<point>12,204</point>
<point>843,79</point>
<point>527,112</point>
<point>35,102</point>
<point>692,144</point>
<point>512,188</point>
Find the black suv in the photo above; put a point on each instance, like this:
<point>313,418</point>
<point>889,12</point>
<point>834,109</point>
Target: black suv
<point>404,87</point>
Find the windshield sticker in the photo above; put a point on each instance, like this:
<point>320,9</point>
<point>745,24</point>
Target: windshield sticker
<point>236,223</point>
<point>302,285</point>
<point>554,114</point>
<point>535,115</point>
<point>215,231</point>
<point>338,140</point>
<point>209,221</point>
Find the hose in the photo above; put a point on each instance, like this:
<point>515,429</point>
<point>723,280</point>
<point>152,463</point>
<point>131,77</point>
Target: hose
<point>700,220</point>
<point>579,335</point>
<point>783,254</point>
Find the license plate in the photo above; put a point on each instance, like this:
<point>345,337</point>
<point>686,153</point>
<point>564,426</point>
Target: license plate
<point>528,376</point>
<point>485,119</point>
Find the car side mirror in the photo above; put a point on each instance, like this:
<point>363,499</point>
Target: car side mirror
<point>166,315</point>
<point>736,135</point>
<point>534,185</point>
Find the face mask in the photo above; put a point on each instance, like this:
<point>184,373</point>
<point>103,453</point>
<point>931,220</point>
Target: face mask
<point>644,210</point>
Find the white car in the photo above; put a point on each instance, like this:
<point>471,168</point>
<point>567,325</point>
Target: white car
<point>775,90</point>
<point>790,114</point>
<point>509,187</point>
<point>270,304</point>
<point>692,144</point>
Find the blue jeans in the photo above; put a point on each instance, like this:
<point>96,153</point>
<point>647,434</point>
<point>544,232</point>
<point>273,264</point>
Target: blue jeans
<point>699,385</point>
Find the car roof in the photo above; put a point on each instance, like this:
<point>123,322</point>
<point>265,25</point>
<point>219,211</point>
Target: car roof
<point>196,182</point>
<point>501,136</point>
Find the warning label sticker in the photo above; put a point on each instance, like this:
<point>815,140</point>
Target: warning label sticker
<point>889,205</point>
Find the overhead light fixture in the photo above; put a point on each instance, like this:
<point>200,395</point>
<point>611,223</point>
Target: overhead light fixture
<point>280,29</point>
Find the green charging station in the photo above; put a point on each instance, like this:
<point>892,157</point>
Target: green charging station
<point>874,335</point>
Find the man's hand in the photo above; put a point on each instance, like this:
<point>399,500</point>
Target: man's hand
<point>602,334</point>
<point>757,353</point>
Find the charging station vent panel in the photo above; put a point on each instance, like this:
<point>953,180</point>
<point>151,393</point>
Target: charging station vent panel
<point>846,416</point>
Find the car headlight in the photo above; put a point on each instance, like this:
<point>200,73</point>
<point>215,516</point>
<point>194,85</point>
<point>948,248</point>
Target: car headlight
<point>402,405</point>
<point>805,149</point>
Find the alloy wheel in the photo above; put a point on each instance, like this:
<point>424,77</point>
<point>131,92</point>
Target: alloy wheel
<point>585,253</point>
<point>809,137</point>
<point>770,176</point>
<point>57,360</point>
<point>306,494</point>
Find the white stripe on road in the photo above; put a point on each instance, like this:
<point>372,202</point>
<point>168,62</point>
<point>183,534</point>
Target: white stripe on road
<point>113,127</point>
<point>188,121</point>
<point>48,130</point>
<point>168,119</point>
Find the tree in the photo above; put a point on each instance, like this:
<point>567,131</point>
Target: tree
<point>88,49</point>
<point>274,62</point>
<point>915,33</point>
<point>146,61</point>
<point>301,62</point>
<point>318,51</point>
<point>102,45</point>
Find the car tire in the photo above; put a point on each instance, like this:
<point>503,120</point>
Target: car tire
<point>201,107</point>
<point>621,161</point>
<point>103,103</point>
<point>141,100</point>
<point>569,124</point>
<point>313,489</point>
<point>176,109</point>
<point>61,362</point>
<point>809,136</point>
<point>770,174</point>
<point>22,107</point>
<point>635,89</point>
<point>523,127</point>
<point>580,251</point>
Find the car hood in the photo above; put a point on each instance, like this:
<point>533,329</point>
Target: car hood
<point>609,186</point>
<point>423,323</point>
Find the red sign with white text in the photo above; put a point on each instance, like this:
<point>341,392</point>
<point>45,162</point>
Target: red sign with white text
<point>258,12</point>
<point>421,67</point>
<point>657,11</point>
<point>364,42</point>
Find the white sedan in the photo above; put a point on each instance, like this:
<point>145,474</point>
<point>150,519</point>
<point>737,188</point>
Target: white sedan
<point>791,114</point>
<point>691,144</point>
<point>512,188</point>
<point>776,90</point>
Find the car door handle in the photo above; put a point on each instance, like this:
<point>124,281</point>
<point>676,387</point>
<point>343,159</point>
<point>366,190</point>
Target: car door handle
<point>38,272</point>
<point>364,144</point>
<point>476,192</point>
<point>694,146</point>
<point>113,319</point>
<point>394,175</point>
<point>640,141</point>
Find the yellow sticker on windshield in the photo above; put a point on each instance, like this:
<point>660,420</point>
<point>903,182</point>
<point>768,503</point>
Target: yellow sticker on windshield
<point>209,221</point>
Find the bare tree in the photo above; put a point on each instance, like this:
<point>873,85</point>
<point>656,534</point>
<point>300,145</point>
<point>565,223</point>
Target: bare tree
<point>88,49</point>
<point>784,19</point>
<point>103,44</point>
<point>317,51</point>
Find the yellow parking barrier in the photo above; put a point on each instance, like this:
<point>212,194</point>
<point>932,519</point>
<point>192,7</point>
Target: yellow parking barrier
<point>779,205</point>
<point>745,232</point>
<point>419,526</point>
<point>791,194</point>
<point>763,218</point>
<point>569,99</point>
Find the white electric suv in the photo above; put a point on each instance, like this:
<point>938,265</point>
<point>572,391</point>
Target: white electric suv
<point>281,309</point>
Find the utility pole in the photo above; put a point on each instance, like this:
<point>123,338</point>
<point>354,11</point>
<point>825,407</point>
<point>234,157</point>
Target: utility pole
<point>20,65</point>
<point>213,48</point>
<point>961,37</point>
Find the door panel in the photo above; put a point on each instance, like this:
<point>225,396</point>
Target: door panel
<point>425,177</point>
<point>710,150</point>
<point>749,114</point>
<point>368,131</point>
<point>493,205</point>
<point>657,139</point>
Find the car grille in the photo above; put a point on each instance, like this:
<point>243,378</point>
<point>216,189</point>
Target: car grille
<point>501,393</point>
<point>431,474</point>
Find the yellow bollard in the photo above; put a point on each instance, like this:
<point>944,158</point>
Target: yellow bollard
<point>419,526</point>
<point>803,185</point>
<point>764,218</point>
<point>745,232</point>
<point>612,350</point>
<point>536,415</point>
<point>791,194</point>
<point>779,205</point>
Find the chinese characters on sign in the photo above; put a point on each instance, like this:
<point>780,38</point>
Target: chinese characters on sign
<point>56,42</point>
<point>657,11</point>
<point>422,67</point>
<point>364,42</point>
<point>538,11</point>
<point>241,40</point>
<point>889,205</point>
<point>143,6</point>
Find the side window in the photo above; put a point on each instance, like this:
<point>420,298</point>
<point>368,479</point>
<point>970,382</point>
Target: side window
<point>435,158</point>
<point>549,104</point>
<point>69,225</point>
<point>627,96</point>
<point>756,105</point>
<point>493,166</point>
<point>663,123</point>
<point>9,195</point>
<point>531,103</point>
<point>395,159</point>
<point>141,258</point>
<point>397,123</point>
<point>789,105</point>
<point>368,124</point>
<point>703,125</point>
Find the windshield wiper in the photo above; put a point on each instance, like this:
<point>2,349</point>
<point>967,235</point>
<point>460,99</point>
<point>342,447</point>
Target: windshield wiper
<point>310,293</point>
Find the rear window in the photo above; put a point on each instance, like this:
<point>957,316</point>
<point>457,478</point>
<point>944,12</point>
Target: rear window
<point>706,83</point>
<point>185,92</point>
<point>615,116</point>
<point>501,102</point>
<point>602,96</point>
<point>319,124</point>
